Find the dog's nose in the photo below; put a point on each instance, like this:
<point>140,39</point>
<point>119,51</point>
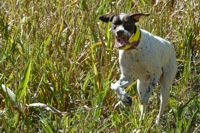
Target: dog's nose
<point>120,33</point>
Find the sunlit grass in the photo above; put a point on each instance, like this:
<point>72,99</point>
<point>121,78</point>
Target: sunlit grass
<point>59,53</point>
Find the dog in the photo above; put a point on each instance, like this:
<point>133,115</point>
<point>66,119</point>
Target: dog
<point>148,58</point>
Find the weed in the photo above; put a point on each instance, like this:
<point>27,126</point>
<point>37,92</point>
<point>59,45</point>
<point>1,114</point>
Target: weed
<point>58,54</point>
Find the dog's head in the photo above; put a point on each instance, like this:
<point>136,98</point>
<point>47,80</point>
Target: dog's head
<point>122,26</point>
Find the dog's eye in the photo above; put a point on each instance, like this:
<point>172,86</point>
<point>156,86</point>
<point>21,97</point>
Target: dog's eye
<point>128,26</point>
<point>113,27</point>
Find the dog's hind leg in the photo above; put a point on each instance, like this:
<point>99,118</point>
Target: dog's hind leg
<point>145,88</point>
<point>166,81</point>
<point>141,87</point>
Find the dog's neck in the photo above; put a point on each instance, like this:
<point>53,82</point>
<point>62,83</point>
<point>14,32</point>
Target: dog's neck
<point>134,40</point>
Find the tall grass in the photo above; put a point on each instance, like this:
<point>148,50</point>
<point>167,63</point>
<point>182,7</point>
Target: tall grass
<point>58,53</point>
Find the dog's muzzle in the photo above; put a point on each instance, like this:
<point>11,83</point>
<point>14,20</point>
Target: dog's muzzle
<point>123,43</point>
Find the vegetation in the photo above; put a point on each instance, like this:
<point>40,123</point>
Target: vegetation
<point>58,60</point>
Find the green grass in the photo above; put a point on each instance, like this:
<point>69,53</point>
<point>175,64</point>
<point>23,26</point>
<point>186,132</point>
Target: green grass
<point>59,53</point>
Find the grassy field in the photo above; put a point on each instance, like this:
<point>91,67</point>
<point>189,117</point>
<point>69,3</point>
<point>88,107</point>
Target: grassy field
<point>57,61</point>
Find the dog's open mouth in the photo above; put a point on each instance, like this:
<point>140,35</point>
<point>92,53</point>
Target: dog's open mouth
<point>121,41</point>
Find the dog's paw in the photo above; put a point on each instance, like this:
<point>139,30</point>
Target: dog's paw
<point>126,99</point>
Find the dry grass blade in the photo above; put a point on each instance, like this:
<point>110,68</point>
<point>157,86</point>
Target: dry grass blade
<point>45,106</point>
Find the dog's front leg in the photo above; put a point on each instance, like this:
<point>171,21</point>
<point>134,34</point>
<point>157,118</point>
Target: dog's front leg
<point>119,86</point>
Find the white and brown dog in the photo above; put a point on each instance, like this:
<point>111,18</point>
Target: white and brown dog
<point>144,56</point>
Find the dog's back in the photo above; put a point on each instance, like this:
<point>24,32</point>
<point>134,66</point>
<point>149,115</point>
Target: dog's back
<point>158,47</point>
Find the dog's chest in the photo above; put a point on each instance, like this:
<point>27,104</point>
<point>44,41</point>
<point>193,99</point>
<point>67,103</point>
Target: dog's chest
<point>134,64</point>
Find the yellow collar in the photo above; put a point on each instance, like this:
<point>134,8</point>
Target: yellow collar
<point>134,40</point>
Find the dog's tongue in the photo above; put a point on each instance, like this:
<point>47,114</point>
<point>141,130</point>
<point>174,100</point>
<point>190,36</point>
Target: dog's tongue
<point>120,42</point>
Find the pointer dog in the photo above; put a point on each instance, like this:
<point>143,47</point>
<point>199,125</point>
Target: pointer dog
<point>148,58</point>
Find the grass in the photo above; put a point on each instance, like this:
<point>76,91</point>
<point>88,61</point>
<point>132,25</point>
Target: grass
<point>58,55</point>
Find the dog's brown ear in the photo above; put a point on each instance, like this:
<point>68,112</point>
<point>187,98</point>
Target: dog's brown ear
<point>107,17</point>
<point>136,16</point>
